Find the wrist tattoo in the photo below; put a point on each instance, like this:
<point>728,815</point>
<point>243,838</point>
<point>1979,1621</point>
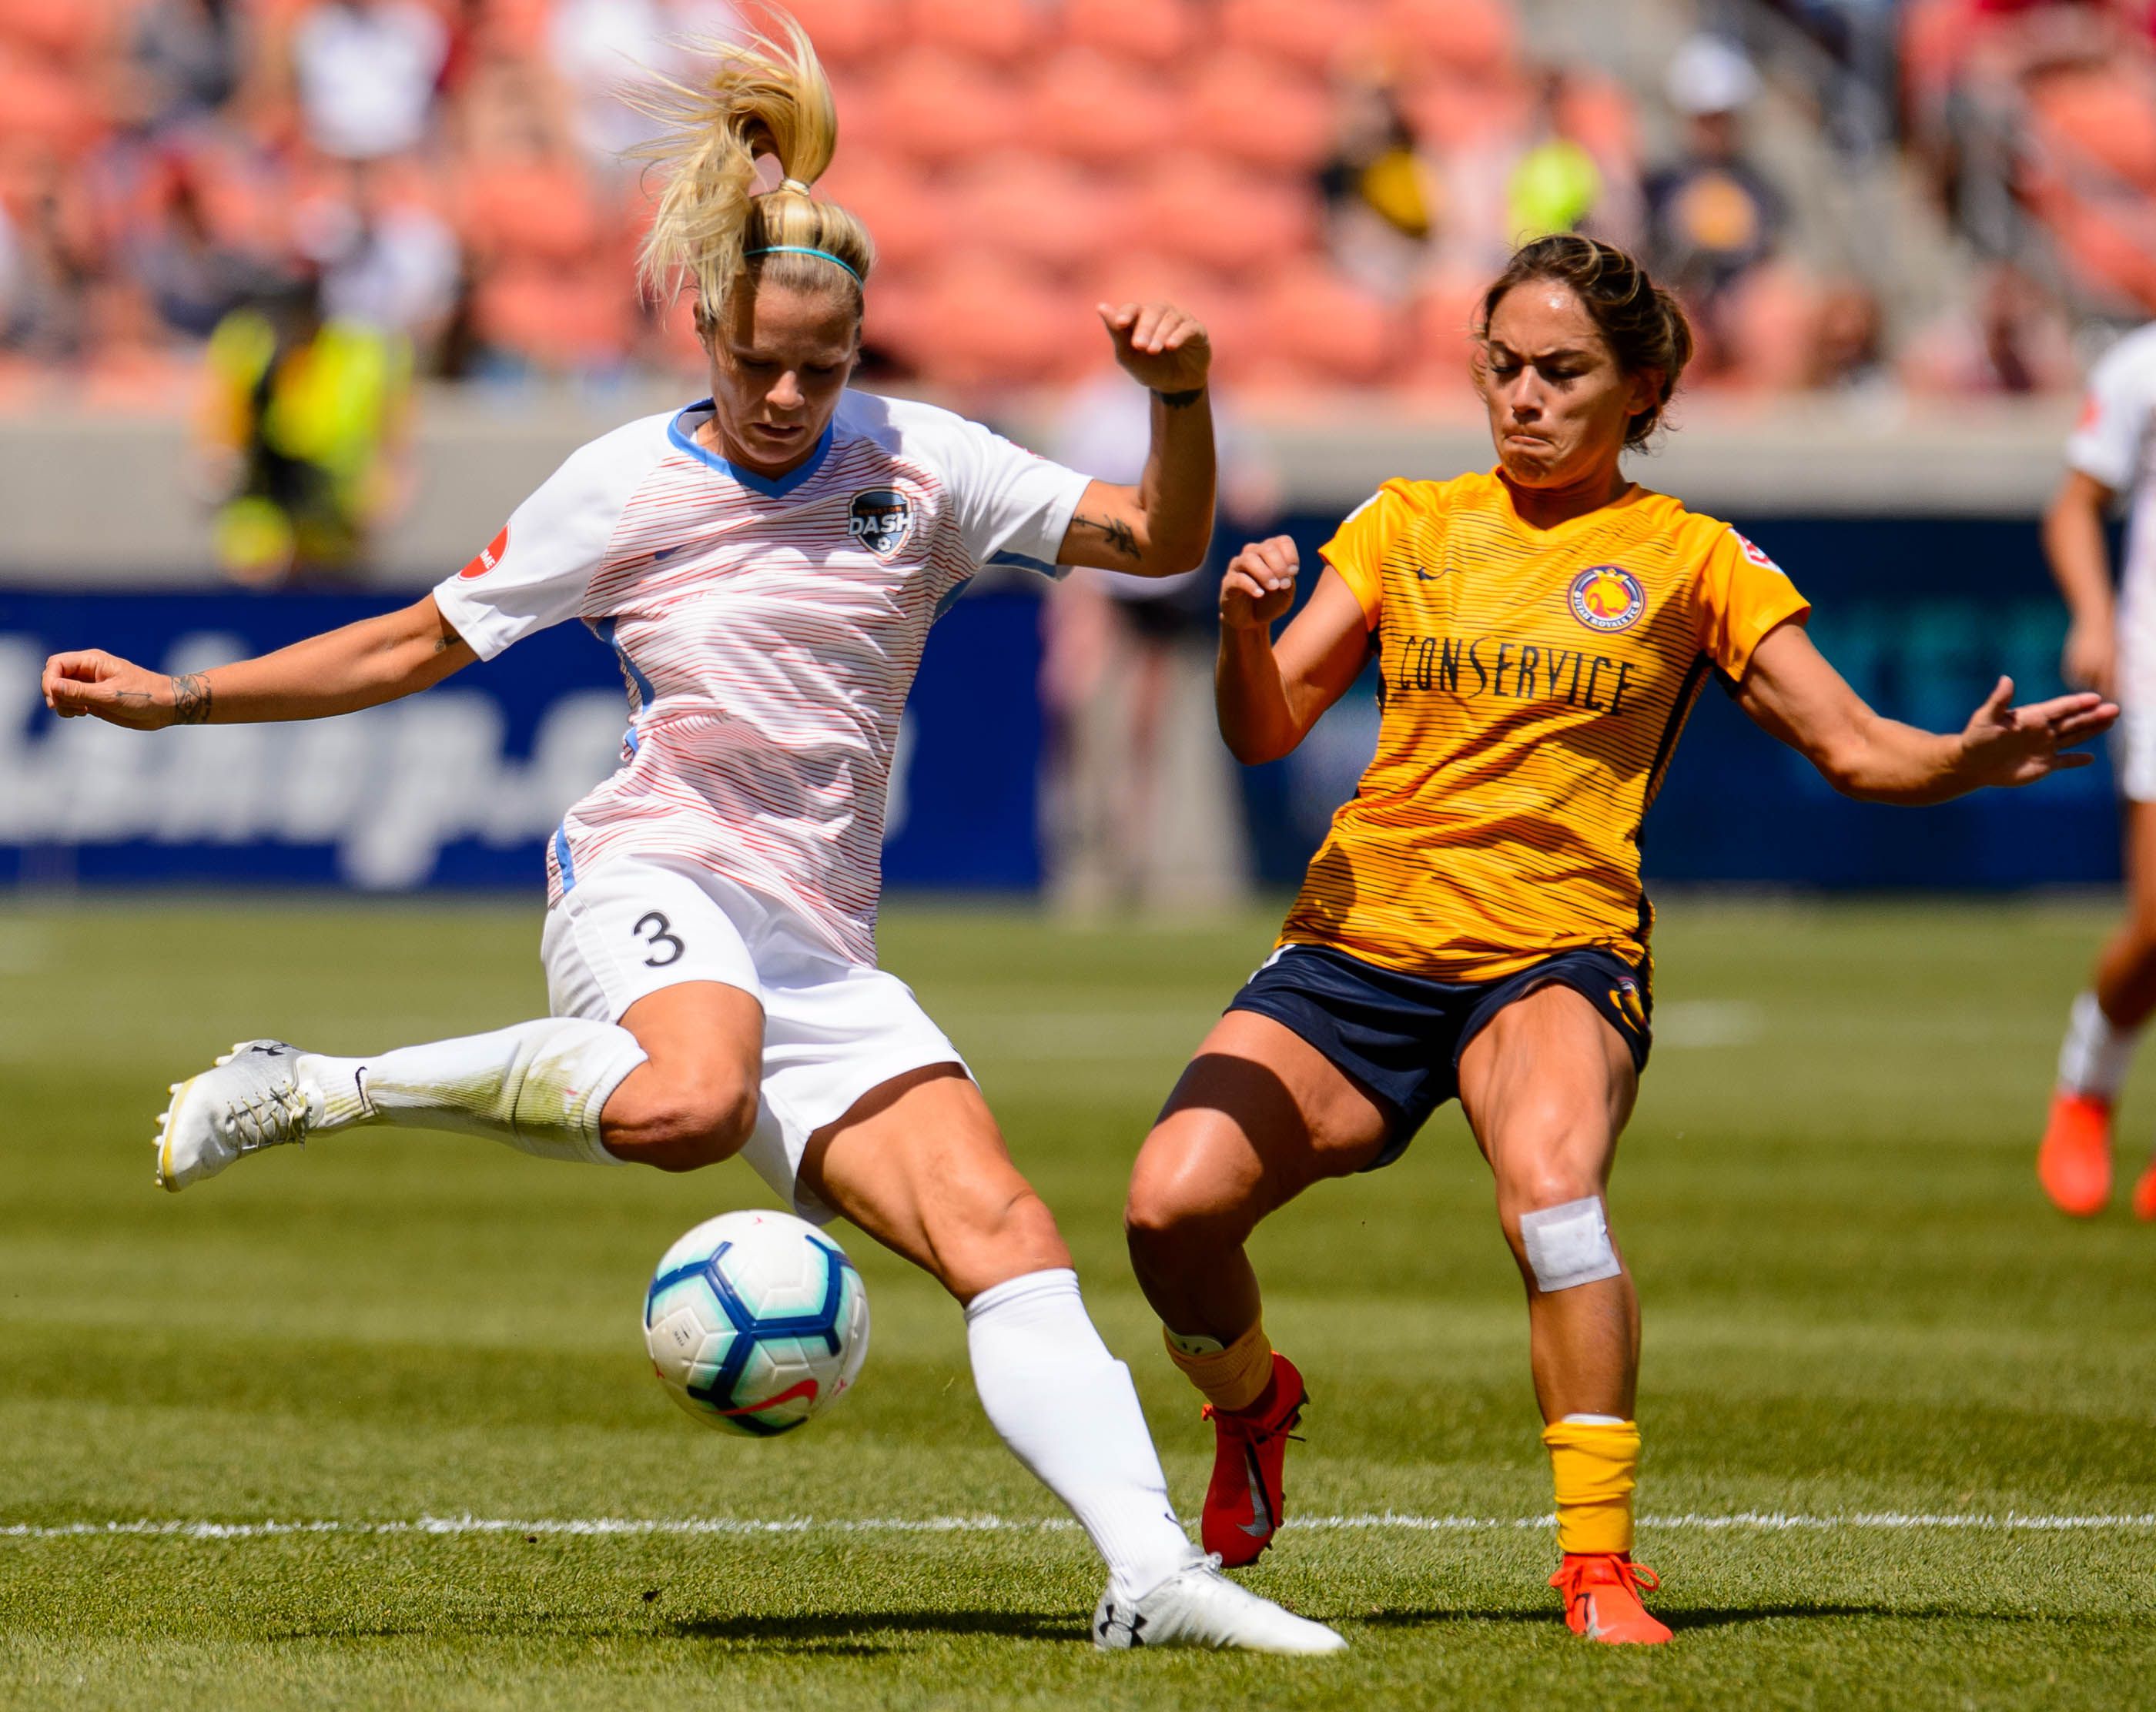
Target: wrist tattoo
<point>1180,401</point>
<point>191,699</point>
<point>1121,540</point>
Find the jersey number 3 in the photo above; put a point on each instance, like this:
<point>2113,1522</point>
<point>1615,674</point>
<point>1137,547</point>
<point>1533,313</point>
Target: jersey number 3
<point>661,933</point>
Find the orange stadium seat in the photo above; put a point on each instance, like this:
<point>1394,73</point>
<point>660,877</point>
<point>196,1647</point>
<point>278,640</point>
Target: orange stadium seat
<point>1219,215</point>
<point>1045,210</point>
<point>846,31</point>
<point>43,107</point>
<point>1440,336</point>
<point>539,210</point>
<point>998,30</point>
<point>910,217</point>
<point>2105,114</point>
<point>562,321</point>
<point>67,30</point>
<point>1101,109</point>
<point>1310,318</point>
<point>1157,33</point>
<point>1313,34</point>
<point>941,107</point>
<point>983,321</point>
<point>1450,109</point>
<point>1262,110</point>
<point>1596,111</point>
<point>1479,38</point>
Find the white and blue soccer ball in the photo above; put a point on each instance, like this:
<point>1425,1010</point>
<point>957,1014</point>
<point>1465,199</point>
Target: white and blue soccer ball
<point>756,1322</point>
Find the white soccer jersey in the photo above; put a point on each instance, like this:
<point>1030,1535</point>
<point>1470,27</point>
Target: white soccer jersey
<point>2112,444</point>
<point>768,630</point>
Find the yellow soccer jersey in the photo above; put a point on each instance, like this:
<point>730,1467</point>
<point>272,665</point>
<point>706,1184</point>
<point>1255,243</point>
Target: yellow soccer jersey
<point>1534,682</point>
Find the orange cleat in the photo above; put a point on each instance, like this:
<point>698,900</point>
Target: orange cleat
<point>2074,1163</point>
<point>1602,1593</point>
<point>1243,1500</point>
<point>2145,1195</point>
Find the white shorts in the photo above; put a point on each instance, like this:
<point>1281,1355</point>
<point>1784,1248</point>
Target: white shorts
<point>2133,738</point>
<point>833,1030</point>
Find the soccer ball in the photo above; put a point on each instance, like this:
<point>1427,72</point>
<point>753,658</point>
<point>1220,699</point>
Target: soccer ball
<point>756,1322</point>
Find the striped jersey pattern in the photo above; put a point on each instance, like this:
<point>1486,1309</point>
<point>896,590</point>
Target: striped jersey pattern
<point>767,632</point>
<point>1533,685</point>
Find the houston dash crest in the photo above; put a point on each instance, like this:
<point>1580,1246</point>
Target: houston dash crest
<point>881,520</point>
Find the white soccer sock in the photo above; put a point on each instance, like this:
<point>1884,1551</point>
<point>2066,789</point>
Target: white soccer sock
<point>538,1086</point>
<point>2094,1057</point>
<point>1067,1409</point>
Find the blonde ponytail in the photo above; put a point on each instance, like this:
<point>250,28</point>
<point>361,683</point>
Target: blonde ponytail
<point>766,95</point>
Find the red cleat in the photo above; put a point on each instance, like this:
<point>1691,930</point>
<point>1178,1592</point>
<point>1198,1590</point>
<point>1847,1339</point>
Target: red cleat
<point>1243,1500</point>
<point>2145,1195</point>
<point>2074,1163</point>
<point>1602,1593</point>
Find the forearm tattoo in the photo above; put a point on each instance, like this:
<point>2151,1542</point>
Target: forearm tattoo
<point>1180,400</point>
<point>1121,539</point>
<point>191,699</point>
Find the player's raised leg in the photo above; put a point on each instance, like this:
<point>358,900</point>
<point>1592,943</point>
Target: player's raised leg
<point>1547,1085</point>
<point>673,1084</point>
<point>1259,1115</point>
<point>920,1164</point>
<point>2074,1162</point>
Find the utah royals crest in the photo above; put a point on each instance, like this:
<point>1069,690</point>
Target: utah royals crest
<point>881,520</point>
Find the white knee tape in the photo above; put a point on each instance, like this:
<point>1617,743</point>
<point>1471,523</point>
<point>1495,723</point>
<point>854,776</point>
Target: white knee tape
<point>1569,1246</point>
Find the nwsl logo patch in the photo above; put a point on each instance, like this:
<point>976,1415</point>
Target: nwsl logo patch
<point>1606,598</point>
<point>881,520</point>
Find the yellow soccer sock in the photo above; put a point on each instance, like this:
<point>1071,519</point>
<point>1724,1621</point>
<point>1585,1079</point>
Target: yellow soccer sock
<point>1231,1376</point>
<point>1593,1464</point>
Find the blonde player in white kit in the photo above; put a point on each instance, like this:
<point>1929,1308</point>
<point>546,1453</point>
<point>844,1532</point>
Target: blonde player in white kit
<point>765,564</point>
<point>2110,648</point>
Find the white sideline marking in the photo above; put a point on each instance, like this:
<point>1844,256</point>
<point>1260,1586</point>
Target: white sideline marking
<point>1762,1521</point>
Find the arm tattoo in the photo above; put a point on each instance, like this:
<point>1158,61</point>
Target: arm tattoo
<point>1122,540</point>
<point>1180,400</point>
<point>191,699</point>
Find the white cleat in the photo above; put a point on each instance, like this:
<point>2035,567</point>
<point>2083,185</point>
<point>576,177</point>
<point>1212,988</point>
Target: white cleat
<point>1199,1607</point>
<point>251,1099</point>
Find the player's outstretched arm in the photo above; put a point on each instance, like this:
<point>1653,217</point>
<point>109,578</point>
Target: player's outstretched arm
<point>1791,691</point>
<point>373,661</point>
<point>1163,525</point>
<point>1269,694</point>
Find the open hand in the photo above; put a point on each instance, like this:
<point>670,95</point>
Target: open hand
<point>2005,745</point>
<point>1162,347</point>
<point>1258,585</point>
<point>118,691</point>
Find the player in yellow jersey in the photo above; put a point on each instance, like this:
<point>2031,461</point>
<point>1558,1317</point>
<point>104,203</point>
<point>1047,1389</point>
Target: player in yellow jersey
<point>1474,924</point>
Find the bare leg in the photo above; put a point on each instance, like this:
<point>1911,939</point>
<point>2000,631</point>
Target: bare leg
<point>1547,1086</point>
<point>1259,1116</point>
<point>693,1100</point>
<point>2126,969</point>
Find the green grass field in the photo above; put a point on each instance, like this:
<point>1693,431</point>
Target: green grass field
<point>1857,1307</point>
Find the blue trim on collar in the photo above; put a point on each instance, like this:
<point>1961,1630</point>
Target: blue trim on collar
<point>771,487</point>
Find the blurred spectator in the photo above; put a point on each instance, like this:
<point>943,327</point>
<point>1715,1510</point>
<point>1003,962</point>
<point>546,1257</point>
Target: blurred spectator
<point>1849,355</point>
<point>57,261</point>
<point>2012,340</point>
<point>194,277</point>
<point>388,262</point>
<point>308,416</point>
<point>365,72</point>
<point>1381,200</point>
<point>1143,805</point>
<point>185,61</point>
<point>599,46</point>
<point>1712,217</point>
<point>1556,186</point>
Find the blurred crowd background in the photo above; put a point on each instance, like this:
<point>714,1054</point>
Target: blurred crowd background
<point>1329,179</point>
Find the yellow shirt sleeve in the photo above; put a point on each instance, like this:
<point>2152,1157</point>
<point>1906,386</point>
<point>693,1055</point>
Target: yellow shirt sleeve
<point>1744,594</point>
<point>1358,548</point>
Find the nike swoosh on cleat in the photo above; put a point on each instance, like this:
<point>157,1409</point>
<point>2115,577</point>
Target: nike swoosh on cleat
<point>1260,1523</point>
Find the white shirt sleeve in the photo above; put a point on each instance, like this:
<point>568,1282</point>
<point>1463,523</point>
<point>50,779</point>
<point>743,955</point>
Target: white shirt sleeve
<point>538,571</point>
<point>1013,506</point>
<point>2108,445</point>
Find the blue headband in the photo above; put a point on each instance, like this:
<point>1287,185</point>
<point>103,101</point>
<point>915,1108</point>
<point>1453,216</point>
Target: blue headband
<point>803,249</point>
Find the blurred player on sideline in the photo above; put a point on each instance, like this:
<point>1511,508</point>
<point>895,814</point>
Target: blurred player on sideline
<point>765,564</point>
<point>1474,926</point>
<point>2111,648</point>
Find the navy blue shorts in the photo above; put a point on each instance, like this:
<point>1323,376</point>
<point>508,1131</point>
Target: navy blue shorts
<point>1399,1037</point>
